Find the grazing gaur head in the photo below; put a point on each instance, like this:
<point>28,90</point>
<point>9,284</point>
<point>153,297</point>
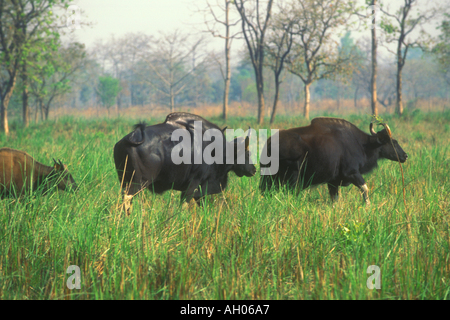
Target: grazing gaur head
<point>247,169</point>
<point>20,173</point>
<point>62,176</point>
<point>389,147</point>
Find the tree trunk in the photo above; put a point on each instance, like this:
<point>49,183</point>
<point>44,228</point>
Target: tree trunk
<point>227,61</point>
<point>4,104</point>
<point>307,101</point>
<point>373,84</point>
<point>36,113</point>
<point>399,105</point>
<point>275,99</point>
<point>46,112</point>
<point>260,103</point>
<point>260,87</point>
<point>225,95</point>
<point>260,92</point>
<point>172,101</point>
<point>41,107</point>
<point>4,116</point>
<point>25,109</point>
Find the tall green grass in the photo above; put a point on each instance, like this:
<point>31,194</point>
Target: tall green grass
<point>239,245</point>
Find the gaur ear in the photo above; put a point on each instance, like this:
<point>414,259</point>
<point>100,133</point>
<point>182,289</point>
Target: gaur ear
<point>383,137</point>
<point>62,165</point>
<point>58,165</point>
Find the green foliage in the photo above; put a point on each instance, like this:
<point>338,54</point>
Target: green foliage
<point>29,38</point>
<point>51,73</point>
<point>353,233</point>
<point>442,48</point>
<point>108,89</point>
<point>388,27</point>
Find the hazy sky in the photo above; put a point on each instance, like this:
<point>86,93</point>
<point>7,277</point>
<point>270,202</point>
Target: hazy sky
<point>120,17</point>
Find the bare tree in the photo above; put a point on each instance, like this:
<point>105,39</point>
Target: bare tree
<point>362,77</point>
<point>172,61</point>
<point>278,46</point>
<point>25,96</point>
<point>315,55</point>
<point>255,22</point>
<point>119,56</point>
<point>373,82</point>
<point>227,23</point>
<point>398,28</point>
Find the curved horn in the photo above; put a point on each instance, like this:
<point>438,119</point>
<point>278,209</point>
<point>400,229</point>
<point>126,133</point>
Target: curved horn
<point>223,130</point>
<point>371,129</point>
<point>388,130</point>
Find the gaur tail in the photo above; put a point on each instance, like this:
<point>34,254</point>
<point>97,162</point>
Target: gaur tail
<point>137,136</point>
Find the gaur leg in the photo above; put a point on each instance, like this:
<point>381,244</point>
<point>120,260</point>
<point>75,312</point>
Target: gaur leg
<point>207,188</point>
<point>333,189</point>
<point>359,181</point>
<point>136,181</point>
<point>365,192</point>
<point>127,177</point>
<point>130,190</point>
<point>190,192</point>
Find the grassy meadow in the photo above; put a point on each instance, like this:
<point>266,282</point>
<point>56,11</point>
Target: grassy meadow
<point>239,245</point>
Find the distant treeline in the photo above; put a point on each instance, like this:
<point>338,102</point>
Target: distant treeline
<point>294,56</point>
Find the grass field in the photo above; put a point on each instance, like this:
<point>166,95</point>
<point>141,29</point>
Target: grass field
<point>239,245</point>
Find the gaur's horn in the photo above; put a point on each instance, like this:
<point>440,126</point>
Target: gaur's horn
<point>388,129</point>
<point>223,130</point>
<point>371,129</point>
